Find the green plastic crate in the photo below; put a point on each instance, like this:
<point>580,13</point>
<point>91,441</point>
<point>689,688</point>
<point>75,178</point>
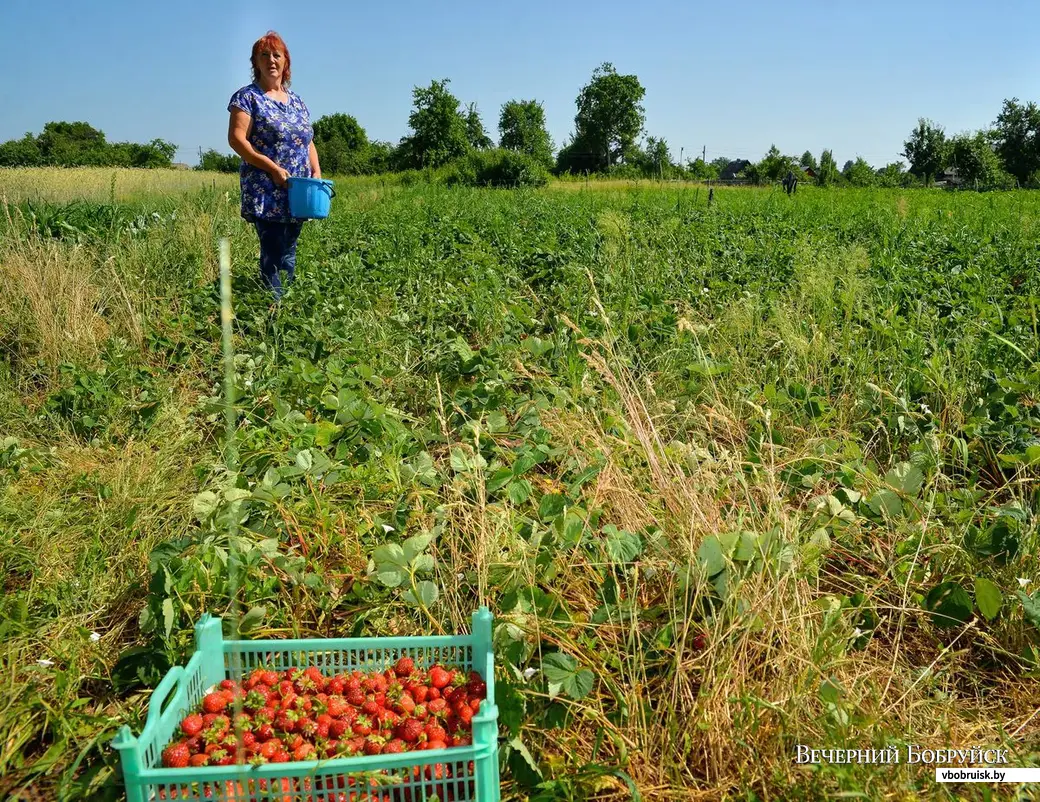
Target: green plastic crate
<point>474,768</point>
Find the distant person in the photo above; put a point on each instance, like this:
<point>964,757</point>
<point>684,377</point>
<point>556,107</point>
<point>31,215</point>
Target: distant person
<point>790,183</point>
<point>270,128</point>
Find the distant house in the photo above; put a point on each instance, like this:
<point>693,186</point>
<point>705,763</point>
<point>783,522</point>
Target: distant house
<point>949,177</point>
<point>180,166</point>
<point>730,171</point>
<point>809,172</point>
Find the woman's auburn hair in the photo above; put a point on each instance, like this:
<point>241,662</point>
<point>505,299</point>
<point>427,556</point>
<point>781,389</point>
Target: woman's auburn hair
<point>275,42</point>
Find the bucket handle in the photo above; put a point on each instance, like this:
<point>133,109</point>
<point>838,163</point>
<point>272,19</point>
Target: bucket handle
<point>328,188</point>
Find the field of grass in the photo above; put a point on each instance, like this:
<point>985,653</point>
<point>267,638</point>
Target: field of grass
<point>755,475</point>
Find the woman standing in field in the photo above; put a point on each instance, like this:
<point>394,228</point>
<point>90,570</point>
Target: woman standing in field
<point>270,128</point>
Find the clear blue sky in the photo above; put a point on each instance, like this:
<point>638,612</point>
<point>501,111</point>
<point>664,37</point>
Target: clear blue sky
<point>734,77</point>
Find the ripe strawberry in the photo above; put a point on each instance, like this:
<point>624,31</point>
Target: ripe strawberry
<point>374,744</point>
<point>699,642</point>
<point>461,738</point>
<point>434,693</point>
<point>435,745</point>
<point>421,712</point>
<point>337,706</point>
<point>270,748</point>
<point>404,667</point>
<point>437,707</point>
<point>477,689</point>
<point>192,725</point>
<point>201,759</point>
<point>362,726</point>
<point>316,677</point>
<point>254,700</point>
<point>465,714</point>
<point>336,685</point>
<point>227,685</point>
<point>435,732</point>
<point>176,756</point>
<point>281,757</point>
<point>394,747</point>
<point>269,678</point>
<point>303,751</point>
<point>355,696</point>
<point>405,705</point>
<point>409,730</point>
<point>214,702</point>
<point>338,727</point>
<point>420,693</point>
<point>369,707</point>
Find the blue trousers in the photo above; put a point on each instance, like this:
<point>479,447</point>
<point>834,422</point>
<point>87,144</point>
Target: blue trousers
<point>277,252</point>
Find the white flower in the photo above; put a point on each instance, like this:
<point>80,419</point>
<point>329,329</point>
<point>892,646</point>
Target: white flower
<point>460,576</point>
<point>529,672</point>
<point>857,632</point>
<point>1023,582</point>
<point>45,663</point>
<point>387,528</point>
<point>95,637</point>
<point>925,409</point>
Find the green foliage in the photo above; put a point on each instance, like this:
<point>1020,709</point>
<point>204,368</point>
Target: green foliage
<point>439,130</point>
<point>217,162</point>
<point>609,119</point>
<point>977,163</point>
<point>859,174</point>
<point>475,133</point>
<point>1017,137</point>
<point>808,161</point>
<point>927,150</point>
<point>521,127</point>
<point>343,146</point>
<point>78,144</point>
<point>828,174</point>
<point>495,168</point>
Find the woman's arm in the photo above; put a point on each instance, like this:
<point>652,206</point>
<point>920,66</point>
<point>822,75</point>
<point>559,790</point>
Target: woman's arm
<point>238,139</point>
<point>315,167</point>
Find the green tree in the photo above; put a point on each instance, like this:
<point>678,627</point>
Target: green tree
<point>24,152</point>
<point>773,167</point>
<point>697,170</point>
<point>610,115</point>
<point>859,174</point>
<point>439,131</point>
<point>828,173</point>
<point>476,135</point>
<point>976,160</point>
<point>808,162</point>
<point>926,150</point>
<point>521,127</point>
<point>893,175</point>
<point>342,145</point>
<point>1017,137</point>
<point>71,144</point>
<point>217,162</point>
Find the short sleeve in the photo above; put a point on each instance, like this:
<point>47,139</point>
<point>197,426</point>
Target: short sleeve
<point>243,99</point>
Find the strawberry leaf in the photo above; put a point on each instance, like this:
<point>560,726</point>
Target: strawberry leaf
<point>988,598</point>
<point>562,673</point>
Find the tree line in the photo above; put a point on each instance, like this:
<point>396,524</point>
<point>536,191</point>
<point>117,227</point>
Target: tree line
<point>609,138</point>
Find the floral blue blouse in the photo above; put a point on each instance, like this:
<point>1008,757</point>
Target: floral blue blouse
<point>282,132</point>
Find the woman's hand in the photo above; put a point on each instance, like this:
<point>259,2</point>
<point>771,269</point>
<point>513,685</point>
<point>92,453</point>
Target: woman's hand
<point>280,176</point>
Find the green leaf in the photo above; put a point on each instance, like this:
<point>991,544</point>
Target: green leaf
<point>428,593</point>
<point>622,546</point>
<point>551,505</point>
<point>885,503</point>
<point>391,578</point>
<point>522,765</point>
<point>830,691</point>
<point>414,546</point>
<point>390,554</point>
<point>710,555</point>
<point>562,672</point>
<point>205,504</point>
<point>519,491</point>
<point>1030,606</point>
<point>525,462</point>
<point>499,479</point>
<point>423,564</point>
<point>905,478</point>
<point>497,422</point>
<point>949,604</point>
<point>325,433</point>
<point>305,460</point>
<point>988,598</point>
<point>167,611</point>
<point>250,620</point>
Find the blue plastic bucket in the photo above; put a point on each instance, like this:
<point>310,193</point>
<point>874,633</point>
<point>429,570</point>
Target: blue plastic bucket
<point>310,197</point>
